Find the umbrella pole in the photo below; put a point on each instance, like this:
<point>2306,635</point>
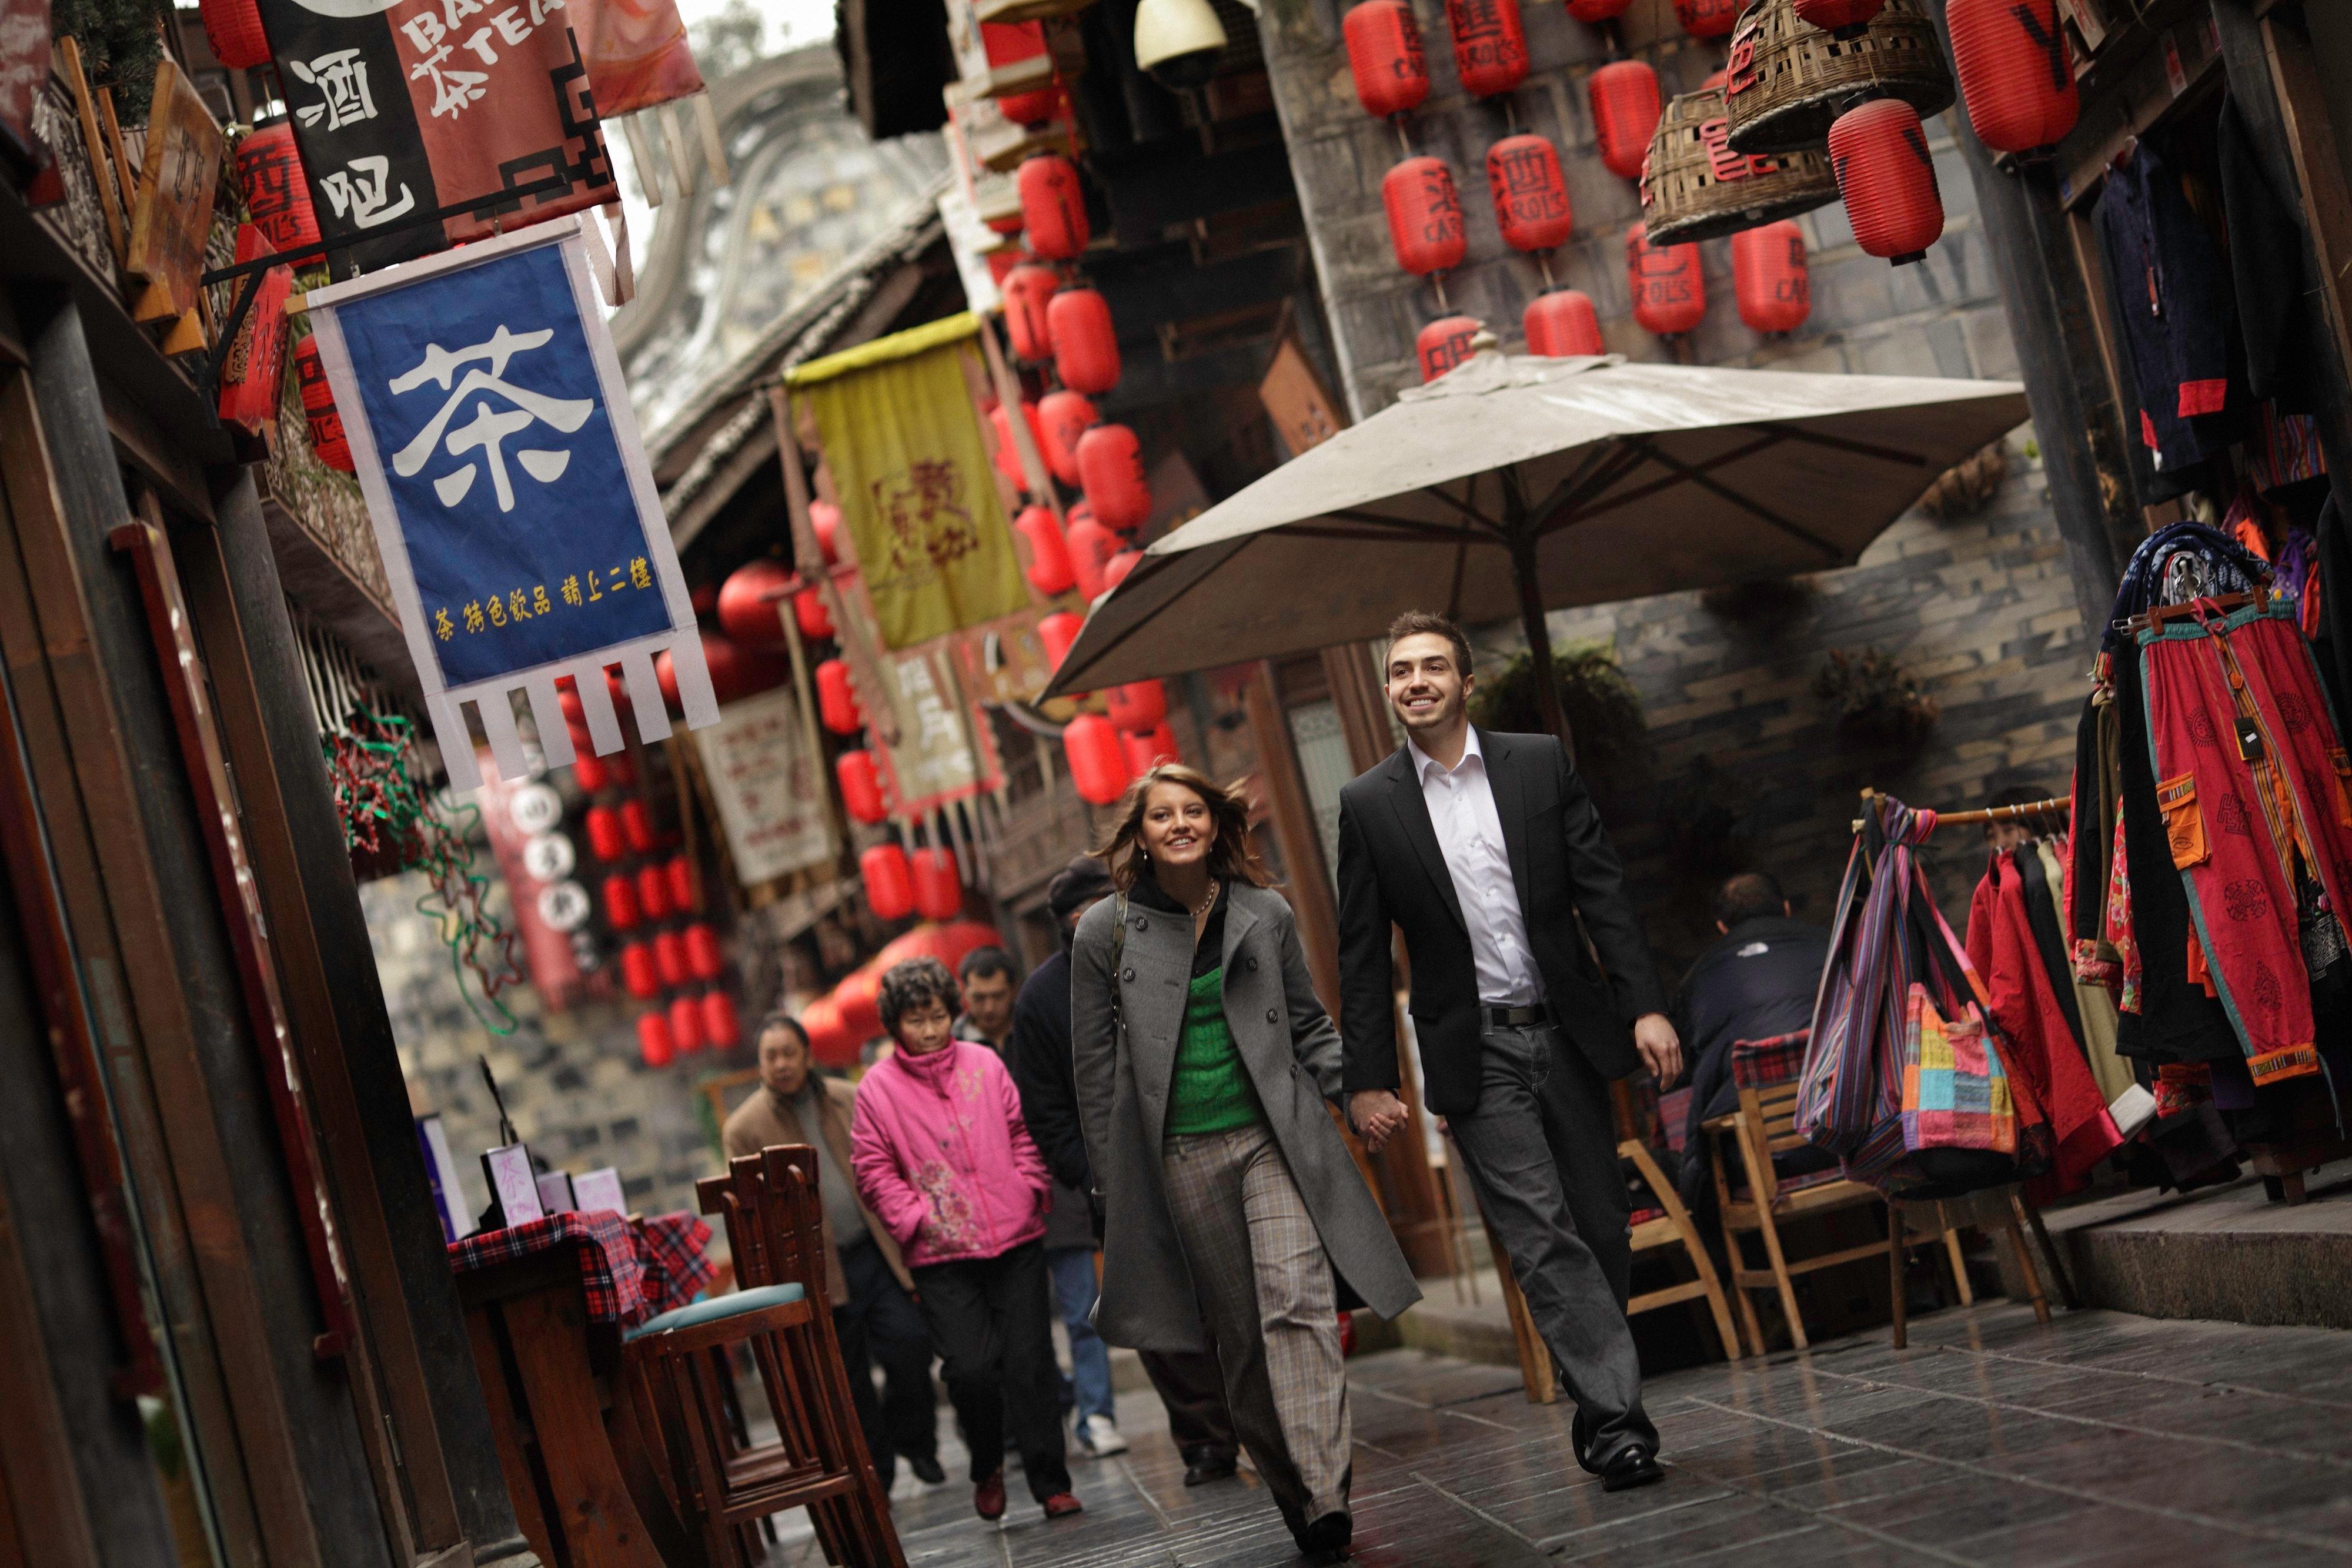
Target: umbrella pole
<point>1531,616</point>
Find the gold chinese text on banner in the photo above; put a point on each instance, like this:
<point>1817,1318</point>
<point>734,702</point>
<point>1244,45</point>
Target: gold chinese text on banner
<point>898,425</point>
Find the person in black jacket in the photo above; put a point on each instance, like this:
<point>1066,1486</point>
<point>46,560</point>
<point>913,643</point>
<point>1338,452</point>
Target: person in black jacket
<point>1191,1385</point>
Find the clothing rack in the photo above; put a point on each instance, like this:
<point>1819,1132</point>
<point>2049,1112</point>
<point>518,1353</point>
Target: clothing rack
<point>1988,813</point>
<point>2224,602</point>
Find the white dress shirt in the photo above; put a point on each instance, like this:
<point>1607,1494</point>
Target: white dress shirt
<point>1461,801</point>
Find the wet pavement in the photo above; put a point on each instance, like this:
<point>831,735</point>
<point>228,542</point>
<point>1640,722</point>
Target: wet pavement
<point>2101,1439</point>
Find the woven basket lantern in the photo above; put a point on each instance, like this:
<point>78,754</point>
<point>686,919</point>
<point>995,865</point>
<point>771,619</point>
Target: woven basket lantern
<point>1787,79</point>
<point>1696,187</point>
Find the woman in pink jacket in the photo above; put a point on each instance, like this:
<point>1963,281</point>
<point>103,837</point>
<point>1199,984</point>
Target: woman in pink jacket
<point>943,1160</point>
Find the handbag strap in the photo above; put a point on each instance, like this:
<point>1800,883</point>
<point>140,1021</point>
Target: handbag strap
<point>1117,950</point>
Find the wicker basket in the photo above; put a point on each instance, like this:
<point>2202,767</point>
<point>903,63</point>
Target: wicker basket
<point>1694,187</point>
<point>1791,79</point>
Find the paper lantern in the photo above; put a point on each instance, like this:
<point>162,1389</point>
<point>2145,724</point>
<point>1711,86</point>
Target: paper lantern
<point>637,976</point>
<point>1091,548</point>
<point>588,770</point>
<point>939,886</point>
<point>1669,295</point>
<point>275,190</point>
<point>1110,466</point>
<point>653,892</point>
<point>325,424</point>
<point>624,770</point>
<point>825,520</point>
<point>680,873</point>
<point>1029,289</point>
<point>1768,272</point>
<point>705,959</point>
<point>1008,451</point>
<point>859,999</point>
<point>233,28</point>
<point>1063,416</point>
<point>1053,207</point>
<point>722,1029</point>
<point>1443,344</point>
<point>1848,18</point>
<point>1098,765</point>
<point>1032,107</point>
<point>1136,705</point>
<point>1385,57</point>
<point>604,826</point>
<point>621,912</point>
<point>1116,569</point>
<point>1597,10</point>
<point>1490,44</point>
<point>889,881</point>
<point>1085,343</point>
<point>829,1038</point>
<point>748,603</point>
<point>670,955</point>
<point>861,786</point>
<point>1424,214</point>
<point>1058,632</point>
<point>1010,43</point>
<point>636,826</point>
<point>1148,750</point>
<point>2017,72</point>
<point>810,614</point>
<point>1706,18</point>
<point>653,1039</point>
<point>1561,322</point>
<point>1049,570</point>
<point>1888,181</point>
<point>686,1024</point>
<point>1625,108</point>
<point>1531,192</point>
<point>836,700</point>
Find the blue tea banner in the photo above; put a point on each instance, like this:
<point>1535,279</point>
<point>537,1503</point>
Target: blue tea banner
<point>507,481</point>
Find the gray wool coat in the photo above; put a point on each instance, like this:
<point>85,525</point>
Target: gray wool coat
<point>1291,1052</point>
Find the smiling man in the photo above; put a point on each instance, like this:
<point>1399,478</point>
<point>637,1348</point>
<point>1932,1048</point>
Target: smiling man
<point>1484,850</point>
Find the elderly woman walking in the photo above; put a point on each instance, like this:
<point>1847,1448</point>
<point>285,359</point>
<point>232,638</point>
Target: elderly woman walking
<point>1203,1063</point>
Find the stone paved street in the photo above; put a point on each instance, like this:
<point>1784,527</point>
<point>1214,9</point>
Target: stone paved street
<point>2104,1439</point>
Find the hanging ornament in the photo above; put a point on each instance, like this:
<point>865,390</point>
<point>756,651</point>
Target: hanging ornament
<point>1091,548</point>
<point>1049,570</point>
<point>1098,765</point>
<point>1669,294</point>
<point>1490,44</point>
<point>653,892</point>
<point>1028,288</point>
<point>829,1040</point>
<point>638,827</point>
<point>1561,322</point>
<point>1116,569</point>
<point>837,699</point>
<point>1063,416</point>
<point>859,997</point>
<point>326,425</point>
<point>810,614</point>
<point>1597,10</point>
<point>669,957</point>
<point>825,520</point>
<point>705,959</point>
<point>1136,705</point>
<point>1842,18</point>
<point>277,191</point>
<point>686,1024</point>
<point>1085,343</point>
<point>1007,458</point>
<point>889,881</point>
<point>721,1029</point>
<point>1530,194</point>
<point>681,884</point>
<point>233,28</point>
<point>1443,344</point>
<point>1148,750</point>
<point>2017,72</point>
<point>861,786</point>
<point>603,825</point>
<point>1385,57</point>
<point>1058,632</point>
<point>621,913</point>
<point>736,671</point>
<point>1110,465</point>
<point>653,1039</point>
<point>1424,216</point>
<point>939,886</point>
<point>587,767</point>
<point>638,976</point>
<point>747,601</point>
<point>1880,153</point>
<point>1706,18</point>
<point>1768,271</point>
<point>1053,207</point>
<point>1625,110</point>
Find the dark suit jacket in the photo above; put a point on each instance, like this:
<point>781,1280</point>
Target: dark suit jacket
<point>1391,870</point>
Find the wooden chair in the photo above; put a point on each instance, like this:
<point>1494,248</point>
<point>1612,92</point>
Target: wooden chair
<point>1669,1225</point>
<point>680,1382</point>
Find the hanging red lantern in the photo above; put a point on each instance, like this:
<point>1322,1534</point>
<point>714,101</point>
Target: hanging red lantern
<point>624,770</point>
<point>2017,72</point>
<point>1053,207</point>
<point>1049,570</point>
<point>686,1024</point>
<point>836,700</point>
<point>748,601</point>
<point>670,955</point>
<point>829,1040</point>
<point>653,1039</point>
<point>621,912</point>
<point>705,959</point>
<point>859,999</point>
<point>1138,704</point>
<point>1561,322</point>
<point>1597,10</point>
<point>1063,416</point>
<point>1008,44</point>
<point>939,886</point>
<point>653,892</point>
<point>233,28</point>
<point>825,520</point>
<point>1091,548</point>
<point>1444,343</point>
<point>637,976</point>
<point>1116,569</point>
<point>1032,107</point>
<point>1145,751</point>
<point>1385,57</point>
<point>861,786</point>
<point>1027,291</point>
<point>1008,451</point>
<point>1098,765</point>
<point>681,872</point>
<point>277,191</point>
<point>1424,216</point>
<point>587,767</point>
<point>318,413</point>
<point>889,881</point>
<point>1888,181</point>
<point>810,614</point>
<point>1531,192</point>
<point>636,826</point>
<point>1768,271</point>
<point>1490,44</point>
<point>722,1029</point>
<point>1086,341</point>
<point>1625,108</point>
<point>1713,79</point>
<point>1706,18</point>
<point>603,825</point>
<point>1110,465</point>
<point>1058,632</point>
<point>1846,18</point>
<point>1669,295</point>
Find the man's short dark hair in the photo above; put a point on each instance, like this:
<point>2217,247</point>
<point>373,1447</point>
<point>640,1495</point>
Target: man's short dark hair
<point>981,963</point>
<point>1749,894</point>
<point>907,986</point>
<point>780,1018</point>
<point>1413,622</point>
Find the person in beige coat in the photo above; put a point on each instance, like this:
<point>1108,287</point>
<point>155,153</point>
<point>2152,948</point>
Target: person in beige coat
<point>874,1312</point>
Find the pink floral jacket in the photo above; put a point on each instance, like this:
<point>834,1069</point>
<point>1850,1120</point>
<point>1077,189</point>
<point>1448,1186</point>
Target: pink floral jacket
<point>942,1157</point>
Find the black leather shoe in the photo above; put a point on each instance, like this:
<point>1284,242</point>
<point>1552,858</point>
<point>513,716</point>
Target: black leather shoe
<point>1632,1466</point>
<point>927,1469</point>
<point>1202,1466</point>
<point>1326,1540</point>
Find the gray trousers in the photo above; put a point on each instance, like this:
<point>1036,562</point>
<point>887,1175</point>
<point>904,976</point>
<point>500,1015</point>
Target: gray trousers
<point>1543,1161</point>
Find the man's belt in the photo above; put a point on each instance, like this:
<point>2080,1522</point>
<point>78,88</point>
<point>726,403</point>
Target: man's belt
<point>1514,1017</point>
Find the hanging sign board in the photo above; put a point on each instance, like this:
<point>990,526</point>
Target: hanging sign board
<point>508,484</point>
<point>172,217</point>
<point>771,793</point>
<point>934,760</point>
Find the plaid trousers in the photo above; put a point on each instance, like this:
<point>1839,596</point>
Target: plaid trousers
<point>1265,1288</point>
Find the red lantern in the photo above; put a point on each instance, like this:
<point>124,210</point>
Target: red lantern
<point>277,191</point>
<point>1116,569</point>
<point>1706,18</point>
<point>1768,270</point>
<point>747,601</point>
<point>1053,207</point>
<point>704,958</point>
<point>824,519</point>
<point>621,910</point>
<point>1058,632</point>
<point>686,1024</point>
<point>1110,465</point>
<point>1010,43</point>
<point>1713,79</point>
<point>637,971</point>
<point>829,1040</point>
<point>603,825</point>
<point>1027,291</point>
<point>653,892</point>
<point>889,881</point>
<point>587,767</point>
<point>638,826</point>
<point>2017,73</point>
<point>1085,343</point>
<point>233,28</point>
<point>1443,344</point>
<point>859,999</point>
<point>670,955</point>
<point>939,887</point>
<point>1490,44</point>
<point>326,425</point>
<point>1136,705</point>
<point>1669,295</point>
<point>1849,18</point>
<point>1049,569</point>
<point>810,614</point>
<point>1031,108</point>
<point>1424,216</point>
<point>653,1039</point>
<point>1098,765</point>
<point>1597,10</point>
<point>1563,323</point>
<point>861,786</point>
<point>1063,416</point>
<point>1092,545</point>
<point>1008,451</point>
<point>1888,181</point>
<point>624,771</point>
<point>681,884</point>
<point>1530,194</point>
<point>1385,57</point>
<point>1625,108</point>
<point>721,1029</point>
<point>1144,752</point>
<point>837,702</point>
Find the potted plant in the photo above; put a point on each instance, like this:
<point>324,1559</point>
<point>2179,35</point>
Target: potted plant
<point>1604,710</point>
<point>1876,700</point>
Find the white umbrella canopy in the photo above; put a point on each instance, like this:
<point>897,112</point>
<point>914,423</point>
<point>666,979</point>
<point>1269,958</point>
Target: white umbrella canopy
<point>1520,485</point>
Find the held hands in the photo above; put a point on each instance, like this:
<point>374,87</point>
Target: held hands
<point>1661,1048</point>
<point>1376,1115</point>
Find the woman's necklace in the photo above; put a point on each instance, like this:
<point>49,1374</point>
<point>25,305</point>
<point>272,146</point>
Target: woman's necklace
<point>1200,910</point>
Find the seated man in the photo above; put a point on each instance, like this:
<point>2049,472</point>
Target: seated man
<point>1757,981</point>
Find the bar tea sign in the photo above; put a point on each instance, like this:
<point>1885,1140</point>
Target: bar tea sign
<point>508,487</point>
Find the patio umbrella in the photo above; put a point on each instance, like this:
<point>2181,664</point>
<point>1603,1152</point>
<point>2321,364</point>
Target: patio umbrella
<point>1518,484</point>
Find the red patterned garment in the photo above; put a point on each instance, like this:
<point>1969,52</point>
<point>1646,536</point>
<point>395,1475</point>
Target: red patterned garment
<point>612,1274</point>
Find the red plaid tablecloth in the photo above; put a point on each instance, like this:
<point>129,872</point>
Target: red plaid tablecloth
<point>671,1247</point>
<point>612,1271</point>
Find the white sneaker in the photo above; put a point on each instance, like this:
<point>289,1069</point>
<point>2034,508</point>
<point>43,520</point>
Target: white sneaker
<point>1097,1435</point>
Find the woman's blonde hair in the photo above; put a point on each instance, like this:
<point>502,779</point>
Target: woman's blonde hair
<point>1232,858</point>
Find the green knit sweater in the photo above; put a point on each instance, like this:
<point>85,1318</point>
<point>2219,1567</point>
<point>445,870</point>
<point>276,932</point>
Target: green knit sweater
<point>1212,1092</point>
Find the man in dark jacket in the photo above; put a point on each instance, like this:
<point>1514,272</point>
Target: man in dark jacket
<point>1038,1052</point>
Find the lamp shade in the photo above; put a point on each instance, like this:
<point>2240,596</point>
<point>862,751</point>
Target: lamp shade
<point>1385,57</point>
<point>889,881</point>
<point>1888,180</point>
<point>1625,110</point>
<point>1110,466</point>
<point>1085,343</point>
<point>1669,294</point>
<point>1490,44</point>
<point>1098,764</point>
<point>1028,288</point>
<point>1561,322</point>
<point>1049,571</point>
<point>1443,344</point>
<point>1053,207</point>
<point>2017,72</point>
<point>1424,212</point>
<point>1530,194</point>
<point>861,786</point>
<point>1768,273</point>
